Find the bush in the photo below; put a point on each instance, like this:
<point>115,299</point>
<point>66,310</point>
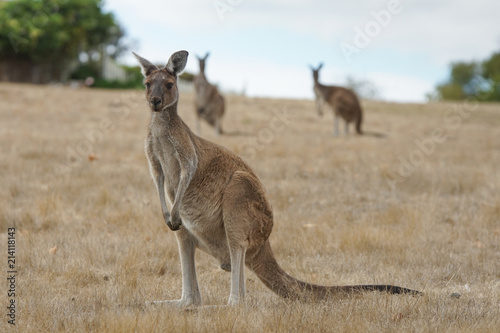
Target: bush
<point>115,84</point>
<point>134,75</point>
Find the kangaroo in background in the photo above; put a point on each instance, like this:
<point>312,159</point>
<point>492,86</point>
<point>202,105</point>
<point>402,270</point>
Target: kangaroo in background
<point>218,204</point>
<point>344,103</point>
<point>209,102</point>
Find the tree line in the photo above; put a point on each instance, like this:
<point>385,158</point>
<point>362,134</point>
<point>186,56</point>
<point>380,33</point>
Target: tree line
<point>473,79</point>
<point>45,40</point>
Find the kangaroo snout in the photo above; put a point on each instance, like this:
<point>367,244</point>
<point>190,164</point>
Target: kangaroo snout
<point>155,101</point>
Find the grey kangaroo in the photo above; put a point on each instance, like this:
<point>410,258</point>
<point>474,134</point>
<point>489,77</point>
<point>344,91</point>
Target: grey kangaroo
<point>217,203</point>
<point>344,103</point>
<point>209,103</point>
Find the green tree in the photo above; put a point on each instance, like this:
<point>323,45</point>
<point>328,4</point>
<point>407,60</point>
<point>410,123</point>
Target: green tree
<point>459,85</point>
<point>53,33</point>
<point>473,79</point>
<point>491,72</point>
<point>451,91</point>
<point>463,72</point>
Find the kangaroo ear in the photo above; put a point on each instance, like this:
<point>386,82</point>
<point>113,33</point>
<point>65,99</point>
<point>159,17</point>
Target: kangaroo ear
<point>177,62</point>
<point>206,56</point>
<point>320,65</point>
<point>146,67</point>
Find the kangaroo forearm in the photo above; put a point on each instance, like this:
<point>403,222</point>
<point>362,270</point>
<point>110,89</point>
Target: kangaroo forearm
<point>188,162</point>
<point>184,182</point>
<point>160,181</point>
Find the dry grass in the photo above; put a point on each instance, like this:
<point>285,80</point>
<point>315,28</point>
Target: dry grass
<point>344,214</point>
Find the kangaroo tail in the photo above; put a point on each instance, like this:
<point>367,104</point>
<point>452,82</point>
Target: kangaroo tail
<point>264,265</point>
<point>358,122</point>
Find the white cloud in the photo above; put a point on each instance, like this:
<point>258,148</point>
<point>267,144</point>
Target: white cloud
<point>400,88</point>
<point>267,79</point>
<point>444,29</point>
<point>440,31</point>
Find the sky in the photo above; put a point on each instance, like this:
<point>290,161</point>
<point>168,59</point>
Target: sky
<point>265,47</point>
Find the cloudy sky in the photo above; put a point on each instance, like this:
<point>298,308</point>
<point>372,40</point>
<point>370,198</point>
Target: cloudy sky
<point>265,46</point>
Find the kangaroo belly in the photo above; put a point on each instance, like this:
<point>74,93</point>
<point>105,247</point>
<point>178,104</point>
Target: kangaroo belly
<point>201,215</point>
<point>210,237</point>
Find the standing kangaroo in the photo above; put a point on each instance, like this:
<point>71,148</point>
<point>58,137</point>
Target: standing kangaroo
<point>209,102</point>
<point>218,204</point>
<point>344,103</point>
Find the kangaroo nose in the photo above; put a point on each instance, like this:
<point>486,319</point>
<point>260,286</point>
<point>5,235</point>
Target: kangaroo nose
<point>155,101</point>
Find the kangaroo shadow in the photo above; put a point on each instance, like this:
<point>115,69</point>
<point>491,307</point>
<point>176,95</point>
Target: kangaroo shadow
<point>377,135</point>
<point>236,133</point>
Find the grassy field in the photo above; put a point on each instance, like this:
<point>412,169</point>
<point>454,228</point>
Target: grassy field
<point>415,202</point>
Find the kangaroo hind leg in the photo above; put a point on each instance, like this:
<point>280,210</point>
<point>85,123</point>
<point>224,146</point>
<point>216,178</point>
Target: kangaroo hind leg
<point>190,290</point>
<point>247,221</point>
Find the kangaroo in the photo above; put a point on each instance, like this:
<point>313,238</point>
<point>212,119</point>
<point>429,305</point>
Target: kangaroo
<point>218,204</point>
<point>344,103</point>
<point>209,102</point>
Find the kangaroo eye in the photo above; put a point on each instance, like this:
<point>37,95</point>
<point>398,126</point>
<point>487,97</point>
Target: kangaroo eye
<point>147,84</point>
<point>170,85</point>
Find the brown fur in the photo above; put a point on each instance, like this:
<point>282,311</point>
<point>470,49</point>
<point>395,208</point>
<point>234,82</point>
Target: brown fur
<point>209,103</point>
<point>217,202</point>
<point>344,103</point>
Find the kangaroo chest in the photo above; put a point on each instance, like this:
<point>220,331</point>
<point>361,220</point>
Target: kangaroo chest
<point>161,154</point>
<point>318,93</point>
<point>203,90</point>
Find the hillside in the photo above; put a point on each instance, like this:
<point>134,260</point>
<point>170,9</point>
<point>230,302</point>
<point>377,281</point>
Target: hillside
<point>415,202</point>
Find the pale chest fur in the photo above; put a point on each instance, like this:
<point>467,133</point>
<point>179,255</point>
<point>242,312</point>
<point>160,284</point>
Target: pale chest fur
<point>203,90</point>
<point>318,93</point>
<point>161,154</point>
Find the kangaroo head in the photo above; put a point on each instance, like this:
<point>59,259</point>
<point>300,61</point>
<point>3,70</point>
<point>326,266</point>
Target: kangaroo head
<point>316,72</point>
<point>161,83</point>
<point>202,60</point>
